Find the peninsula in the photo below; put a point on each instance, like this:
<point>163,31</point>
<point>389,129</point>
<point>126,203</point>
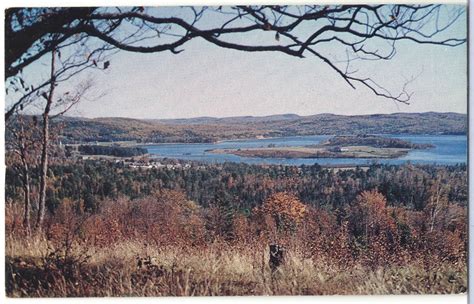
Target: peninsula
<point>344,146</point>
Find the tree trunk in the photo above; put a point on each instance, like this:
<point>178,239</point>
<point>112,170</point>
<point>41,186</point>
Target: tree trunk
<point>26,190</point>
<point>44,149</point>
<point>26,182</point>
<point>435,207</point>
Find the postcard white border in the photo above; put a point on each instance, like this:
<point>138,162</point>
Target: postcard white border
<point>406,299</point>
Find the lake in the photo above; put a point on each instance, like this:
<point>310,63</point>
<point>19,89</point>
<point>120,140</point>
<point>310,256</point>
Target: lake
<point>448,150</point>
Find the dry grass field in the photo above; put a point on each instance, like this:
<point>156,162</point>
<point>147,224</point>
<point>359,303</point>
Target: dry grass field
<point>216,270</point>
<point>173,251</point>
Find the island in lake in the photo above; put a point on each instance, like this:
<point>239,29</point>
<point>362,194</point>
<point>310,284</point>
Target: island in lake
<point>344,146</point>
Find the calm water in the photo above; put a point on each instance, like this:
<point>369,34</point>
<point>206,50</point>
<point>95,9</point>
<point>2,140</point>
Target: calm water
<point>449,149</point>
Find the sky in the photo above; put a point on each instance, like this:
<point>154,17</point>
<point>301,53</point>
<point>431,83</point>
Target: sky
<point>205,80</point>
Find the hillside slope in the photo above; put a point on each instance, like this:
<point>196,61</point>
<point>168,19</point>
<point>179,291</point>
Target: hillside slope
<point>208,129</point>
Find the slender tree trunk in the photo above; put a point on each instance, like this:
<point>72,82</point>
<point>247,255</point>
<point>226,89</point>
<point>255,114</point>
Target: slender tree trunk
<point>26,182</point>
<point>26,190</point>
<point>44,148</point>
<point>435,208</point>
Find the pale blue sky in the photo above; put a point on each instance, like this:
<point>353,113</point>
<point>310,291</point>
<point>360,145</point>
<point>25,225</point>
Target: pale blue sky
<point>206,80</point>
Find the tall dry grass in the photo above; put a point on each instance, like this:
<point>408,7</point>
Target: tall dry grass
<point>168,246</point>
<point>218,269</point>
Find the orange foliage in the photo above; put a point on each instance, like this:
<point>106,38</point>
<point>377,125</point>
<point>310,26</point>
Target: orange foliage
<point>286,209</point>
<point>164,218</point>
<point>367,232</point>
<point>242,227</point>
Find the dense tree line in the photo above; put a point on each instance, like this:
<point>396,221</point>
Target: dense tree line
<point>112,150</point>
<point>242,186</point>
<point>374,141</point>
<point>205,130</point>
<point>381,217</point>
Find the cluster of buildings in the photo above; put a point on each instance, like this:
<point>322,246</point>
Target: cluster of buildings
<point>151,164</point>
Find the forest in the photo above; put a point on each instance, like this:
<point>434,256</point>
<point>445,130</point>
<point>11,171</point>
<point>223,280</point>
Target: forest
<point>366,220</point>
<point>374,141</point>
<point>243,187</point>
<point>209,129</point>
<point>111,150</point>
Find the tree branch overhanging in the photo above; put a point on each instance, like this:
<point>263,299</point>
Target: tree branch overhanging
<point>298,31</point>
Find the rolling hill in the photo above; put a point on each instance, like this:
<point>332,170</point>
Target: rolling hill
<point>210,129</point>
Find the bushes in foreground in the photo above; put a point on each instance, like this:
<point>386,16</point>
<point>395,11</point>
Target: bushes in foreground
<point>368,247</point>
<point>223,269</point>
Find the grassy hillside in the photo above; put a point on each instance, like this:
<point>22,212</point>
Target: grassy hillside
<point>208,129</point>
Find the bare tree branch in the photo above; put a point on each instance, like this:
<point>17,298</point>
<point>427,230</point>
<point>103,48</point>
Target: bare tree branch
<point>360,32</point>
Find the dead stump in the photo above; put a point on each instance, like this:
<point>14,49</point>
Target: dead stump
<point>277,256</point>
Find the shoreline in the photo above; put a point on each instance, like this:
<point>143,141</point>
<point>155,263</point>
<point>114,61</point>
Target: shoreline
<point>289,154</point>
<point>134,143</point>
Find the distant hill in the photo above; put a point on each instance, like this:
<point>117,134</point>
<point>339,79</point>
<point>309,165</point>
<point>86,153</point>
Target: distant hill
<point>229,120</point>
<point>210,129</point>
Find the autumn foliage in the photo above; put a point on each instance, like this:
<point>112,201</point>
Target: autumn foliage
<point>283,209</point>
<point>172,235</point>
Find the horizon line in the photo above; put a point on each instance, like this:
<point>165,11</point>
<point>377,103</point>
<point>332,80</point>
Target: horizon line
<point>261,116</point>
